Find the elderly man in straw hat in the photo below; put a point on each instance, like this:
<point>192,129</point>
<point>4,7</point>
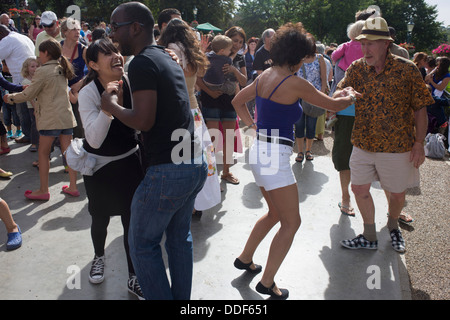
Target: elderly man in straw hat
<point>389,130</point>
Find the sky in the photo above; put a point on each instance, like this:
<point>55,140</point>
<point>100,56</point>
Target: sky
<point>443,8</point>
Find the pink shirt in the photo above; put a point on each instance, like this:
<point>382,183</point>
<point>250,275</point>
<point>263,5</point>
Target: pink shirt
<point>36,31</point>
<point>349,52</point>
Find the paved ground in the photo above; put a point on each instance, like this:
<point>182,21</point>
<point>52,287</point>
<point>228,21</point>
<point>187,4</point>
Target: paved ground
<point>55,258</point>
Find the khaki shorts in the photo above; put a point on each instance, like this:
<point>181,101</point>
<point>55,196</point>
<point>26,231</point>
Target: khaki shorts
<point>394,170</point>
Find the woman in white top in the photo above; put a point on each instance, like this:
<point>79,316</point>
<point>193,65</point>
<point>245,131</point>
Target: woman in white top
<point>111,187</point>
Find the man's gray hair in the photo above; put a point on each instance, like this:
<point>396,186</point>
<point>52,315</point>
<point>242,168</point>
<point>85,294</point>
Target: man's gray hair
<point>266,34</point>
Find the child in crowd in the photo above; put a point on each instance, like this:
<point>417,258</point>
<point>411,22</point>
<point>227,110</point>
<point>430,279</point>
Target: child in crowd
<point>214,77</point>
<point>10,115</point>
<point>54,116</point>
<point>28,68</point>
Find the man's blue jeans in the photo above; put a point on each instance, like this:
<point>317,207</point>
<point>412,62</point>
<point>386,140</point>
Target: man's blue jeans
<point>163,204</point>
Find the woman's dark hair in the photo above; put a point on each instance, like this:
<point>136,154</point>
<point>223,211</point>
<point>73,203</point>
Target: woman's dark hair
<point>442,69</point>
<point>431,61</point>
<point>98,33</point>
<point>102,45</point>
<point>179,31</point>
<point>233,31</point>
<point>252,39</point>
<point>54,50</point>
<point>37,25</point>
<point>291,44</point>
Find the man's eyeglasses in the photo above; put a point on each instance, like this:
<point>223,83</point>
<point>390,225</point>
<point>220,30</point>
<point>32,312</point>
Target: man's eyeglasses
<point>115,25</point>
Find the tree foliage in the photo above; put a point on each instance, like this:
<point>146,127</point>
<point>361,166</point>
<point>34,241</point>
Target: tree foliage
<point>327,20</point>
<point>217,12</point>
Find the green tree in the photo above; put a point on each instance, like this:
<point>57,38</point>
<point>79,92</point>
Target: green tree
<point>427,31</point>
<point>216,12</point>
<point>91,10</point>
<point>327,20</point>
<point>254,16</point>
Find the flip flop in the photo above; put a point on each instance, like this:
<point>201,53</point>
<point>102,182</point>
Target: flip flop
<point>350,211</point>
<point>5,174</point>
<point>230,178</point>
<point>5,151</point>
<point>71,193</point>
<point>408,219</point>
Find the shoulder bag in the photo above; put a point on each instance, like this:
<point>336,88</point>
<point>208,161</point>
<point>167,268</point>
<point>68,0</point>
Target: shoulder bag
<point>310,109</point>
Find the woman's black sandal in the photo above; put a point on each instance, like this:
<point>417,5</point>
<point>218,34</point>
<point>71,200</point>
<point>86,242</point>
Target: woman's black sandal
<point>246,266</point>
<point>309,156</point>
<point>263,290</point>
<point>300,157</point>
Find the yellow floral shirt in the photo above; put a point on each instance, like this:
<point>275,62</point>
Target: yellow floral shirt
<point>384,116</point>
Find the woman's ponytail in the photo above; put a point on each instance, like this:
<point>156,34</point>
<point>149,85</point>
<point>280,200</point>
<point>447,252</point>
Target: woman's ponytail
<point>68,70</point>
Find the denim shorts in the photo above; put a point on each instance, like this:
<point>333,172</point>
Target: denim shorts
<point>56,132</point>
<point>217,114</point>
<point>270,165</point>
<point>308,124</point>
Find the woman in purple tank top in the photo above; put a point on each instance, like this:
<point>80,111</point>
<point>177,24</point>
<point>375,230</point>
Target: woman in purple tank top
<point>277,94</point>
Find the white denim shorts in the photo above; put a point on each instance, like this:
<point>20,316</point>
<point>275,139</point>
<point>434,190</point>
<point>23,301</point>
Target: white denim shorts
<point>270,164</point>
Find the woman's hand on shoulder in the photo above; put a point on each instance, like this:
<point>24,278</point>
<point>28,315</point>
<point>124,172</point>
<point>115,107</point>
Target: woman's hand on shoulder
<point>173,55</point>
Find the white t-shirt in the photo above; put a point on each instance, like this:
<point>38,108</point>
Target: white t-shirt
<point>15,48</point>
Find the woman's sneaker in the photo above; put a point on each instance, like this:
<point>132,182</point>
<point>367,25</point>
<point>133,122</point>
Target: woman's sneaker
<point>360,242</point>
<point>397,240</point>
<point>9,134</point>
<point>97,273</point>
<point>134,287</point>
<point>18,134</point>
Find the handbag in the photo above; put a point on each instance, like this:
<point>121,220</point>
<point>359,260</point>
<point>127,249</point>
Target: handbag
<point>308,108</point>
<point>434,146</point>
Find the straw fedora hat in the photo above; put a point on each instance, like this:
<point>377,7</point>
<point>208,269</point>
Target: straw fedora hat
<point>375,29</point>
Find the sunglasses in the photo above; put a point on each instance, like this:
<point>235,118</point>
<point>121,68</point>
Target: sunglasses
<point>48,25</point>
<point>117,25</point>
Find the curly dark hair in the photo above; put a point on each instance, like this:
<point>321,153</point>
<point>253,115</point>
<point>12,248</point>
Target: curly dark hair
<point>290,44</point>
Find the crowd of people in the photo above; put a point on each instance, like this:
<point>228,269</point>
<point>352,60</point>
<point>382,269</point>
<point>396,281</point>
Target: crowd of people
<point>118,95</point>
